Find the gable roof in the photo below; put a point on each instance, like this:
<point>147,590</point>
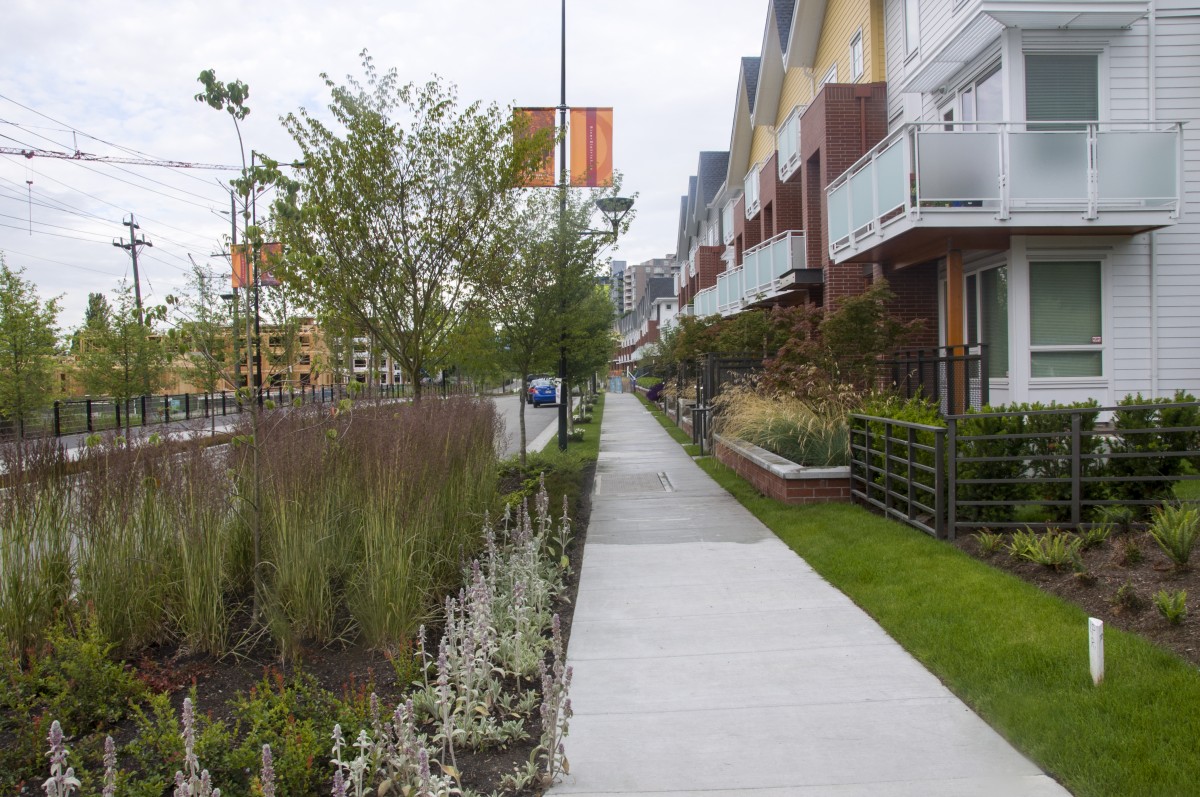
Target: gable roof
<point>750,66</point>
<point>783,10</point>
<point>711,176</point>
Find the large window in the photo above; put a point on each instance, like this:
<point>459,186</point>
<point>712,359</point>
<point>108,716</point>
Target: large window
<point>912,21</point>
<point>856,56</point>
<point>987,317</point>
<point>1061,87</point>
<point>1065,319</point>
<point>982,100</point>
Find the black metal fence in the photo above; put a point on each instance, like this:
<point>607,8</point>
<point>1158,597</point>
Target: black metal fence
<point>86,415</point>
<point>1039,468</point>
<point>956,377</point>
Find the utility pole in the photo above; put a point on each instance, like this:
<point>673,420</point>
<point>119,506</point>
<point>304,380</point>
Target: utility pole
<point>133,247</point>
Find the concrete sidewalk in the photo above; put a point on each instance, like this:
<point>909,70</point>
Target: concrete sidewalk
<point>710,659</point>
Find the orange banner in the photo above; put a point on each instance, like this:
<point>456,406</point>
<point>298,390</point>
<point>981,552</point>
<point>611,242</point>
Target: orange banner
<point>241,275</point>
<point>530,122</point>
<point>591,147</point>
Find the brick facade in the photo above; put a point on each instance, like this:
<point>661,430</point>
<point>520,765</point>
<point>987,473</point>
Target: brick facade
<point>838,128</point>
<point>794,488</point>
<point>917,297</point>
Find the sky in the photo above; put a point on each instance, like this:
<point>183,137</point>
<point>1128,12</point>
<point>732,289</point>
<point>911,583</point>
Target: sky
<point>118,79</point>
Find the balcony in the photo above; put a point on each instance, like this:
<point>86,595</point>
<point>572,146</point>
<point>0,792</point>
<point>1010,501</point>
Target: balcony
<point>930,180</point>
<point>764,274</point>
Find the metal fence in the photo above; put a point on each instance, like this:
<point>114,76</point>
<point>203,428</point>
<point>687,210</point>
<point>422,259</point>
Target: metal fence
<point>956,377</point>
<point>86,415</point>
<point>1038,468</point>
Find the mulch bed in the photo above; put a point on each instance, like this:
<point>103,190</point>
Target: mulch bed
<point>1130,560</point>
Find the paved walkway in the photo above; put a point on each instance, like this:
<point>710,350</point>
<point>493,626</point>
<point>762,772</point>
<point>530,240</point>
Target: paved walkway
<point>711,660</point>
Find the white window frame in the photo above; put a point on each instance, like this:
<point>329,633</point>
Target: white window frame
<point>789,131</point>
<point>727,233</point>
<point>751,185</point>
<point>1104,347</point>
<point>857,63</point>
<point>830,75</point>
<point>912,27</point>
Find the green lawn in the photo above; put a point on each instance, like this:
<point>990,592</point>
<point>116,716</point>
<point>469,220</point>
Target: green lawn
<point>1017,655</point>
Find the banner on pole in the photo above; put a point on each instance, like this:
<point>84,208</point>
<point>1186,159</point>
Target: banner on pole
<point>241,265</point>
<point>591,147</point>
<point>530,122</point>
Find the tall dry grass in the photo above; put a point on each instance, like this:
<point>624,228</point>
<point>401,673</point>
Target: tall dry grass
<point>365,517</point>
<point>807,431</point>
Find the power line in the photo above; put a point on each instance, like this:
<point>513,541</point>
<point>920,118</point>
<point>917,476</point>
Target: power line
<point>54,234</point>
<point>59,262</point>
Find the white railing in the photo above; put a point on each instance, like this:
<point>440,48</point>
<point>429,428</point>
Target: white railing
<point>729,291</point>
<point>977,174</point>
<point>766,263</point>
<point>705,303</point>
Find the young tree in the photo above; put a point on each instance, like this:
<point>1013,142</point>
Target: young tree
<point>126,358</point>
<point>398,211</point>
<point>27,339</point>
<point>94,318</point>
<point>207,333</point>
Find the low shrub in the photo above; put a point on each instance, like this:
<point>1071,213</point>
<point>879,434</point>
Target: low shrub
<point>1171,605</point>
<point>1176,527</point>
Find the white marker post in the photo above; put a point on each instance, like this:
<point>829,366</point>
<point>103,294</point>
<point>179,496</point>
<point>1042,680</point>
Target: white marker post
<point>1096,649</point>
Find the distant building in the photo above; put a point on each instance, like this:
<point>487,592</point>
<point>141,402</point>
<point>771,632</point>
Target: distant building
<point>616,286</point>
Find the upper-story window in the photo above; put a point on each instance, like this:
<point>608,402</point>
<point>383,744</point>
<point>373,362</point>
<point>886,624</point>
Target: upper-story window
<point>1061,87</point>
<point>787,142</point>
<point>751,188</point>
<point>727,222</point>
<point>856,56</point>
<point>830,76</point>
<point>912,27</point>
<point>982,100</point>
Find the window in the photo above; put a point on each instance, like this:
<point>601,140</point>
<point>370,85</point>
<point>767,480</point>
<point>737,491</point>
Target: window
<point>751,188</point>
<point>830,76</point>
<point>788,143</point>
<point>987,317</point>
<point>1065,319</point>
<point>912,20</point>
<point>856,56</point>
<point>982,100</point>
<point>1061,87</point>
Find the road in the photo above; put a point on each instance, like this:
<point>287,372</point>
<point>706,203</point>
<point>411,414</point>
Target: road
<point>536,421</point>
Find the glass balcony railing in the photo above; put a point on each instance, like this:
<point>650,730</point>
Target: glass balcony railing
<point>1048,175</point>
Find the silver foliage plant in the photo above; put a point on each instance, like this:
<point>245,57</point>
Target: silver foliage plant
<point>500,625</point>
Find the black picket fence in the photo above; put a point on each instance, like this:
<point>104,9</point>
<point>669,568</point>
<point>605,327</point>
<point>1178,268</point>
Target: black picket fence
<point>1034,468</point>
<point>87,415</point>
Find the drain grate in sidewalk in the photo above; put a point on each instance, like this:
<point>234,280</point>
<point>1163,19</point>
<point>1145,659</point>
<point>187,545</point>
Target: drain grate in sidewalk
<point>633,483</point>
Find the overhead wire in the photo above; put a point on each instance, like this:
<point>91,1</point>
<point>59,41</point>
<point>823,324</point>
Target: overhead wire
<point>59,262</point>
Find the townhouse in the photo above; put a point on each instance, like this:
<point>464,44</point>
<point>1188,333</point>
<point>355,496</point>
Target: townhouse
<point>1020,172</point>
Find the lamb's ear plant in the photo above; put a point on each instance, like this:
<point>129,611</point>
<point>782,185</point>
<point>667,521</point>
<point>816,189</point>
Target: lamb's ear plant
<point>62,781</point>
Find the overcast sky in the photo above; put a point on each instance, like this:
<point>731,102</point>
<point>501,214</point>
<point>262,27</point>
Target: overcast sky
<point>109,78</point>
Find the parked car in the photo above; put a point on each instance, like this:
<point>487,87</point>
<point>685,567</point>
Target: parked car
<point>543,391</point>
<point>529,380</point>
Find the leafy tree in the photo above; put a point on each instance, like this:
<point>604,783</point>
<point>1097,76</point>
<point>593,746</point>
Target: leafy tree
<point>27,339</point>
<point>95,316</point>
<point>398,211</point>
<point>125,358</point>
<point>206,333</point>
<point>540,295</point>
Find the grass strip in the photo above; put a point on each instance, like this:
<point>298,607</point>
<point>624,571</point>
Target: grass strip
<point>1017,655</point>
<point>677,434</point>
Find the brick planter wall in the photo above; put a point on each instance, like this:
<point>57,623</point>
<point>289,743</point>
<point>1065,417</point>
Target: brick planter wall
<point>782,479</point>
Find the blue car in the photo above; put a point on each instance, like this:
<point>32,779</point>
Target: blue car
<point>542,391</point>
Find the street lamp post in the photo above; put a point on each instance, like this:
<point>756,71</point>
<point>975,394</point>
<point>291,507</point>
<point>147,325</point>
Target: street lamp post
<point>614,209</point>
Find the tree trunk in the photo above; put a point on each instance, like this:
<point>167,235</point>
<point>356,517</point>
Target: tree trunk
<point>521,414</point>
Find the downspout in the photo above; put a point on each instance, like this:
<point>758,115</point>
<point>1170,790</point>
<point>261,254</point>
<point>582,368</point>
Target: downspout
<point>1151,74</point>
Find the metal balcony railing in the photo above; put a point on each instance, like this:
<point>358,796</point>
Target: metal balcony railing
<point>1043,174</point>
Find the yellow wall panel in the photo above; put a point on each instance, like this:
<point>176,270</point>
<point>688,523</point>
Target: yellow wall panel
<point>843,18</point>
<point>797,90</point>
<point>763,144</point>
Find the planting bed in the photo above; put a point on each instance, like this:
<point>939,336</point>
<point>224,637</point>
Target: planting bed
<point>1116,585</point>
<point>248,697</point>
